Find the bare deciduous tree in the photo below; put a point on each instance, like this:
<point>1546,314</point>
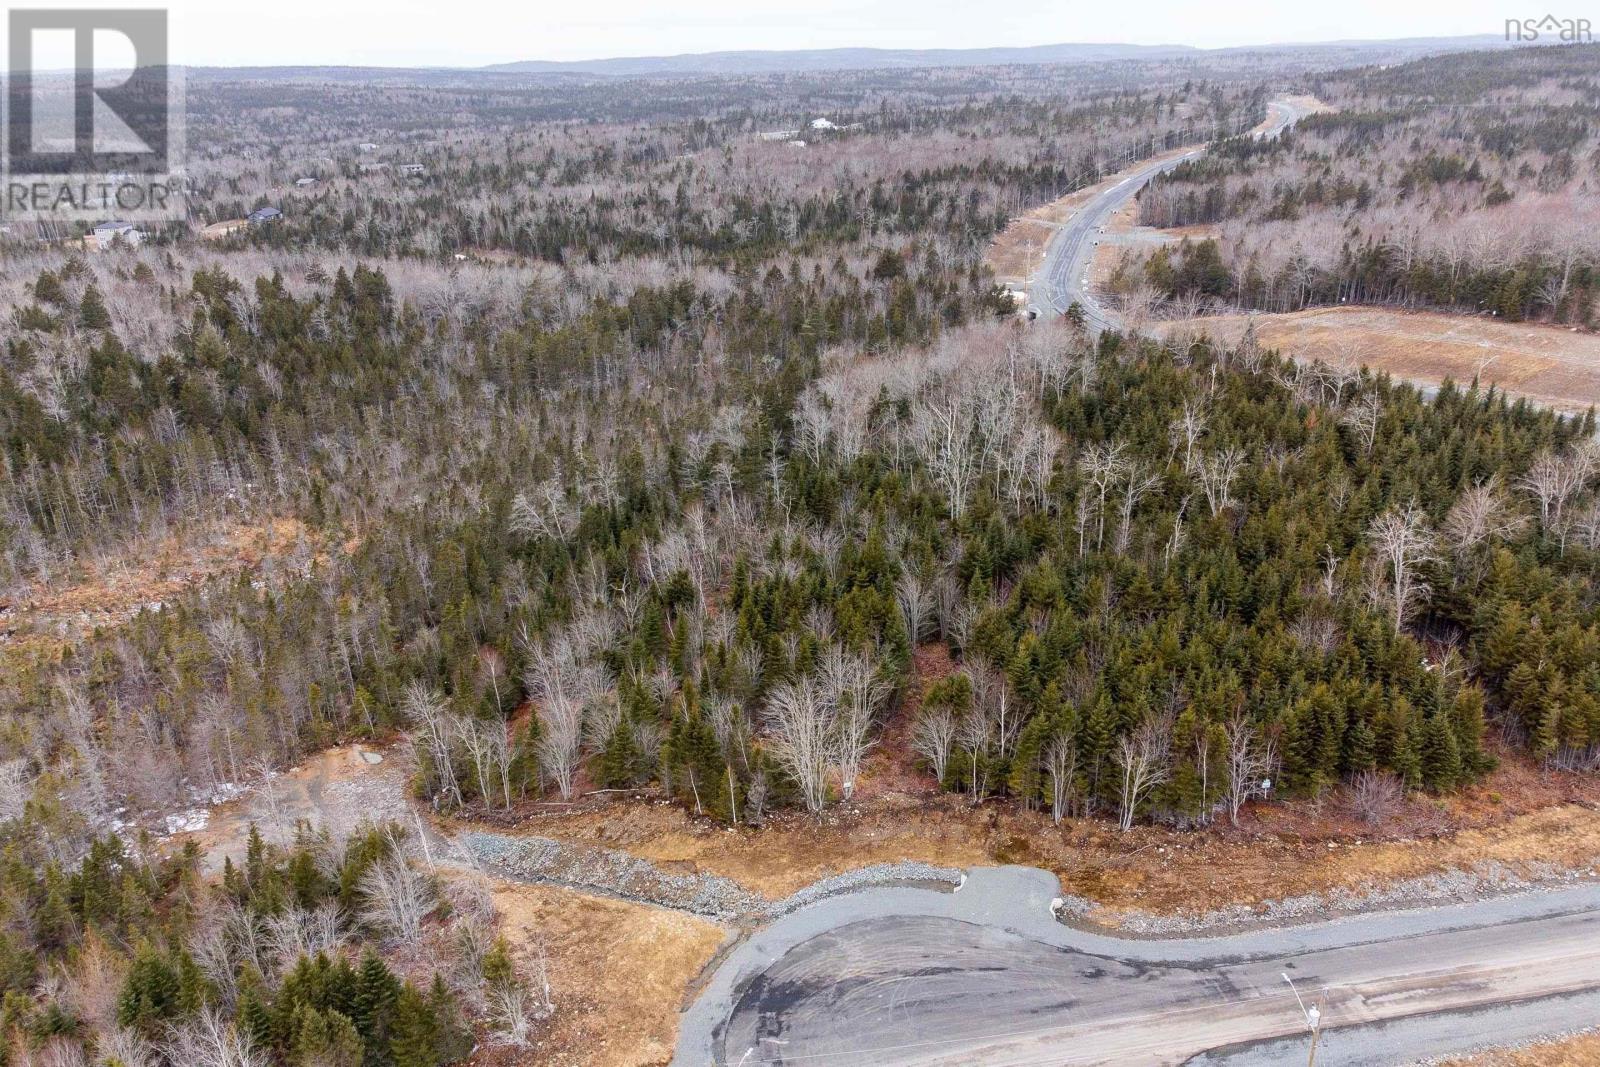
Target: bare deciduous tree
<point>210,1040</point>
<point>1144,758</point>
<point>934,738</point>
<point>1375,795</point>
<point>1403,541</point>
<point>1101,465</point>
<point>854,685</point>
<point>1216,474</point>
<point>1061,765</point>
<point>1250,764</point>
<point>943,431</point>
<point>916,602</point>
<point>1479,516</point>
<point>1187,429</point>
<point>800,722</point>
<point>973,734</point>
<point>1554,480</point>
<point>1362,418</point>
<point>425,709</point>
<point>397,898</point>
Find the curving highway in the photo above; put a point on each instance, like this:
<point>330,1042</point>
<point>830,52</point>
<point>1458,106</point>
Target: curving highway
<point>987,976</point>
<point>1062,277</point>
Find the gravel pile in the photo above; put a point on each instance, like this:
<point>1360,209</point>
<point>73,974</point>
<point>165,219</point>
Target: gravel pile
<point>620,874</point>
<point>1490,879</point>
<point>604,870</point>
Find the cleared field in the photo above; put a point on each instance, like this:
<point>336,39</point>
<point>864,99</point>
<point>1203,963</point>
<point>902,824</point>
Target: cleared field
<point>218,230</point>
<point>106,591</point>
<point>1552,365</point>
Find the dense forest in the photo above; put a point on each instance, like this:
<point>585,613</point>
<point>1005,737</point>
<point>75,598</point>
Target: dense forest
<point>633,445</point>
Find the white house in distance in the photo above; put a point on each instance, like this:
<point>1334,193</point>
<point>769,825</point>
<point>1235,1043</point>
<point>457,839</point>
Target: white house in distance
<point>823,124</point>
<point>413,170</point>
<point>106,234</point>
<point>367,146</point>
<point>304,183</point>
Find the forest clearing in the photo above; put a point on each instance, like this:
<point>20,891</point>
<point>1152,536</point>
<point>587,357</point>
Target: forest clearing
<point>1555,366</point>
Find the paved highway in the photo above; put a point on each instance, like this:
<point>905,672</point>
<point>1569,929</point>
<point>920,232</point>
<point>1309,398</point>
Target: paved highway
<point>1062,277</point>
<point>986,976</point>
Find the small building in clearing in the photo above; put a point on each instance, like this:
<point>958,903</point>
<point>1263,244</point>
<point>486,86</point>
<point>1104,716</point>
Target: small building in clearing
<point>106,234</point>
<point>262,215</point>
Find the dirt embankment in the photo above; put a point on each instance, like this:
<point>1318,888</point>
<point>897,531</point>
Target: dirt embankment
<point>1272,857</point>
<point>1582,1050</point>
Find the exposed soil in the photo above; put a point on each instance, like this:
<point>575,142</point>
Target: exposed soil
<point>1521,817</point>
<point>338,790</point>
<point>1580,1051</point>
<point>619,972</point>
<point>890,768</point>
<point>103,593</point>
<point>1555,366</point>
<point>218,230</point>
<point>1277,852</point>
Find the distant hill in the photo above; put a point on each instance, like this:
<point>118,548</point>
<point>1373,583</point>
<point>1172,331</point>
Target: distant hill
<point>1321,54</point>
<point>800,61</point>
<point>824,59</point>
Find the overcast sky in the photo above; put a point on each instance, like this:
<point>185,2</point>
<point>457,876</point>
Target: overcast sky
<point>475,32</point>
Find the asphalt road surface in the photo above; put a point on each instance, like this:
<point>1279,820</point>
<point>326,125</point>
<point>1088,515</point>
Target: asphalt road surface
<point>987,976</point>
<point>1062,278</point>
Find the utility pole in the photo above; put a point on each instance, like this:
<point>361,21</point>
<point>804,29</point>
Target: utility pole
<point>1313,1017</point>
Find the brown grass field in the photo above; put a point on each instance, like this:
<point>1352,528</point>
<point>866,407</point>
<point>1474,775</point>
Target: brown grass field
<point>1554,366</point>
<point>619,972</point>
